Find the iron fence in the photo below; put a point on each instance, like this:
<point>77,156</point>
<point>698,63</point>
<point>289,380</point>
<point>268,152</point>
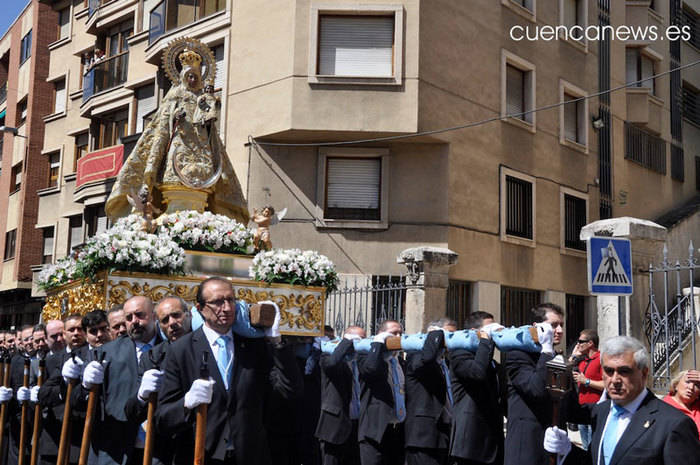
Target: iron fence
<point>645,148</point>
<point>366,302</point>
<point>671,325</point>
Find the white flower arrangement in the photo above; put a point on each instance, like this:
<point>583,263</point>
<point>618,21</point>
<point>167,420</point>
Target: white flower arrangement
<point>293,266</point>
<point>62,272</point>
<point>208,232</point>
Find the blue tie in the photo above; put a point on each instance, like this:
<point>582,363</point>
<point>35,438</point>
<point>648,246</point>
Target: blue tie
<point>144,348</point>
<point>399,400</point>
<point>610,437</point>
<point>222,360</point>
<point>355,401</point>
<point>448,381</point>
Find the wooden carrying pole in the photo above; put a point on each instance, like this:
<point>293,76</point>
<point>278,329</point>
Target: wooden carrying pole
<point>152,398</point>
<point>64,442</point>
<point>23,419</point>
<point>37,416</point>
<point>3,409</point>
<point>200,436</point>
<point>89,419</point>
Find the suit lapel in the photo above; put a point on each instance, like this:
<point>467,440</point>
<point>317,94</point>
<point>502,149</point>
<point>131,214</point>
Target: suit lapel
<point>597,438</point>
<point>640,423</point>
<point>200,344</point>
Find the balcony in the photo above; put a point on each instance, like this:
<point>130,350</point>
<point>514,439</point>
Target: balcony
<point>644,148</point>
<point>639,13</point>
<point>169,15</point>
<point>644,109</point>
<point>105,75</point>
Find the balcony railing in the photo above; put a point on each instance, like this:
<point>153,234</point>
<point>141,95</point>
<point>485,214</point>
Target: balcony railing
<point>644,148</point>
<point>3,93</point>
<point>172,14</point>
<point>93,6</point>
<point>105,75</point>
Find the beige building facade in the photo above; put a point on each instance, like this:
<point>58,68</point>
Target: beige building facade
<point>336,110</point>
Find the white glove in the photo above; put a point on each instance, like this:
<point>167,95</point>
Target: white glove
<point>94,374</point>
<point>490,328</point>
<point>382,337</point>
<point>433,328</point>
<point>5,394</point>
<point>72,369</point>
<point>352,337</point>
<point>545,333</point>
<point>151,382</point>
<point>200,393</point>
<point>274,330</point>
<point>34,394</point>
<point>557,441</point>
<point>23,394</point>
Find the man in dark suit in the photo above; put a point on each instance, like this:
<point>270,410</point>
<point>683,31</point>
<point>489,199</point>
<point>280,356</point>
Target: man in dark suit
<point>51,396</point>
<point>477,420</point>
<point>174,320</point>
<point>340,402</point>
<point>382,408</point>
<point>14,412</point>
<point>633,427</point>
<point>428,398</point>
<point>241,372</point>
<point>115,438</point>
<point>529,403</point>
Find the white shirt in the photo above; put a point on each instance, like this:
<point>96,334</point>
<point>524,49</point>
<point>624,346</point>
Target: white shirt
<point>212,336</point>
<point>623,421</point>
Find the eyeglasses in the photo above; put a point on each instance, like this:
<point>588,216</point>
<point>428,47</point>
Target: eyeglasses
<point>622,371</point>
<point>218,303</point>
<point>582,341</point>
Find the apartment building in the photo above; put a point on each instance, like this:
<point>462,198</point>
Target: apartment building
<point>25,99</point>
<point>509,195</point>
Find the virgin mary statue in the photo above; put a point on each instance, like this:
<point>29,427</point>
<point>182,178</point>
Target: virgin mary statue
<point>180,157</point>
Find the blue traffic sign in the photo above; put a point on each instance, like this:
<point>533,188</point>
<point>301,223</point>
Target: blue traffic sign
<point>609,266</point>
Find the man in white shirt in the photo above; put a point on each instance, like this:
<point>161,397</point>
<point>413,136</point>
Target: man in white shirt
<point>632,427</point>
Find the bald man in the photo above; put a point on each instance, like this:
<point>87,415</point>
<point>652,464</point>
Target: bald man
<point>54,336</point>
<point>118,441</point>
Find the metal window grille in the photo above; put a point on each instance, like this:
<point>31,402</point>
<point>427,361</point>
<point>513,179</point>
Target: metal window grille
<point>458,301</point>
<point>575,317</point>
<point>697,173</point>
<point>516,304</point>
<point>604,133</point>
<point>690,19</point>
<point>575,216</point>
<point>644,148</point>
<point>677,163</point>
<point>518,207</point>
<point>691,105</point>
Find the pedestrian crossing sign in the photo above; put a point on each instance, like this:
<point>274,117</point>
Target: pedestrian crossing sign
<point>609,266</point>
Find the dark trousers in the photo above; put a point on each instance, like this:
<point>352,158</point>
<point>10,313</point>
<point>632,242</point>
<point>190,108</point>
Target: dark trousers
<point>347,453</point>
<point>388,452</point>
<point>425,456</point>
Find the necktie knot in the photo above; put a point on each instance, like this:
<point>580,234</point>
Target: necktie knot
<point>222,341</point>
<point>146,347</point>
<point>618,410</point>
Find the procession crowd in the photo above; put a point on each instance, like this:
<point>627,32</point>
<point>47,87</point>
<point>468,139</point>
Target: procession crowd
<point>144,371</point>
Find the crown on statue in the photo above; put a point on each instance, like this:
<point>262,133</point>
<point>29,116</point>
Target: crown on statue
<point>190,58</point>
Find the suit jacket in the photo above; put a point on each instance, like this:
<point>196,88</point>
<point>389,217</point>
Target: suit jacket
<point>427,408</point>
<point>377,399</point>
<point>52,397</point>
<point>334,424</point>
<point>477,428</point>
<point>657,434</point>
<point>117,435</point>
<point>529,407</point>
<point>236,414</point>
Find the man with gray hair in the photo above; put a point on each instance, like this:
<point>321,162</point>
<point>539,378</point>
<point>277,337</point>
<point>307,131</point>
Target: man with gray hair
<point>633,426</point>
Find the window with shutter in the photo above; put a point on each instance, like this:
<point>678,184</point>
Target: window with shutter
<point>639,67</point>
<point>353,188</point>
<point>220,67</point>
<point>355,45</point>
<point>81,148</point>
<point>75,231</point>
<point>145,104</point>
<point>59,96</point>
<point>575,217</point>
<point>48,239</point>
<point>571,118</point>
<point>63,23</point>
<point>54,168</point>
<point>571,17</point>
<point>10,244</point>
<point>518,207</point>
<point>515,90</point>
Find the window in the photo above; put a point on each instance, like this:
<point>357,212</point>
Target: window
<point>59,96</point>
<point>111,128</point>
<point>690,18</point>
<point>63,23</point>
<point>640,67</point>
<point>691,104</point>
<point>54,168</point>
<point>220,67</point>
<point>645,148</point>
<point>146,102</point>
<point>697,173</point>
<point>21,112</point>
<point>171,14</point>
<point>81,148</point>
<point>516,304</point>
<point>574,15</point>
<point>356,46</point>
<point>10,244</point>
<point>353,188</point>
<point>573,116</point>
<point>574,212</point>
<point>362,44</point>
<point>527,4</point>
<point>96,220</point>
<point>116,39</point>
<point>575,317</point>
<point>47,255</point>
<point>517,207</point>
<point>25,48</point>
<point>16,178</point>
<point>517,89</point>
<point>75,231</point>
<point>571,13</point>
<point>524,8</point>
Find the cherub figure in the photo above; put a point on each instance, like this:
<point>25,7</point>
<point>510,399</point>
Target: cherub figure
<point>265,219</point>
<point>143,203</point>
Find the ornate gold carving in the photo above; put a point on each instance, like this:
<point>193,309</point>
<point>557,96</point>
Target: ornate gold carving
<point>76,298</point>
<point>120,291</point>
<point>297,311</point>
